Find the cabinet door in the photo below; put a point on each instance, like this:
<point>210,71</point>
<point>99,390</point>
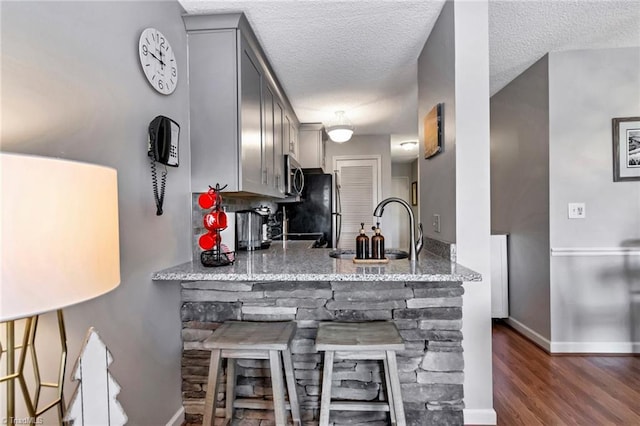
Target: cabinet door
<point>278,135</point>
<point>311,146</point>
<point>268,136</point>
<point>251,122</point>
<point>295,145</point>
<point>286,148</point>
<point>213,91</point>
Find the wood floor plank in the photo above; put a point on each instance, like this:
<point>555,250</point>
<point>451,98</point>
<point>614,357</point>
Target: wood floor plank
<point>533,388</point>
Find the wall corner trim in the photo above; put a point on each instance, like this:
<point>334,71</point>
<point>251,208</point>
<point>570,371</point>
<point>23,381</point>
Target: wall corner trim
<point>483,416</point>
<point>177,419</point>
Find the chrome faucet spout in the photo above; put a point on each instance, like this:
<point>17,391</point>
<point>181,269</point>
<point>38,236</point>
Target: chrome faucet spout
<point>415,246</point>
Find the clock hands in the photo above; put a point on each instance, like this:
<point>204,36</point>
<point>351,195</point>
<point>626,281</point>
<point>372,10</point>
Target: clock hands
<point>162,64</point>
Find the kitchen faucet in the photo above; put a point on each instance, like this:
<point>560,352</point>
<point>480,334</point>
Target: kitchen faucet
<point>416,245</point>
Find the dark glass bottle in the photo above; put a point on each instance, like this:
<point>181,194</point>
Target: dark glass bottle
<point>377,244</point>
<point>362,244</point>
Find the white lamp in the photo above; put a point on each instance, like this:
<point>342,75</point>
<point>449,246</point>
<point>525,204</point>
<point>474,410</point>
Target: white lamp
<point>60,246</point>
<point>342,130</point>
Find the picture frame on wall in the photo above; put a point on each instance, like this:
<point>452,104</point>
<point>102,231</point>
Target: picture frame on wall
<point>626,149</point>
<point>432,131</point>
<point>414,193</point>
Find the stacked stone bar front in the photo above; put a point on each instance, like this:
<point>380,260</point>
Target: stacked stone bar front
<point>428,314</point>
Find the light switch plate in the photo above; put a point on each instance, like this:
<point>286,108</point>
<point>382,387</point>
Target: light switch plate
<point>577,210</point>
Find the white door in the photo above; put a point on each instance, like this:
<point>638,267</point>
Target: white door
<point>397,233</point>
<point>360,189</point>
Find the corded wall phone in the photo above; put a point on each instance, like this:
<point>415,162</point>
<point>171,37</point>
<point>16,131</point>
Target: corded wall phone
<point>164,134</point>
<point>163,140</point>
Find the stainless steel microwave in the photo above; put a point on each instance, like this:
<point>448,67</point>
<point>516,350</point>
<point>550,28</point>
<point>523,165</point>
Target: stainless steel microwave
<point>293,177</point>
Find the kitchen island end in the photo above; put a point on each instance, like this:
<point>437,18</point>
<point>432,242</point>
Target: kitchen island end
<point>305,285</point>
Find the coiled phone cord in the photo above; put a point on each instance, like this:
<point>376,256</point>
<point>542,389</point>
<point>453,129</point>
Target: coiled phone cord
<point>163,181</point>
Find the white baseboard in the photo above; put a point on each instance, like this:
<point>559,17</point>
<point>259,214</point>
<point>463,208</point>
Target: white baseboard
<point>596,347</point>
<point>574,347</point>
<point>485,416</point>
<point>177,418</point>
<point>534,336</point>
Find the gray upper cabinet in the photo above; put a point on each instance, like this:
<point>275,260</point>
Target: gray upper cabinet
<point>253,172</point>
<point>313,142</point>
<point>238,109</point>
<point>290,145</point>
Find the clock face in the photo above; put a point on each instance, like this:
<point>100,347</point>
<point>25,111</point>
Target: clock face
<point>158,61</point>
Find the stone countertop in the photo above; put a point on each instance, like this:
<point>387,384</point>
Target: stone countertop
<point>298,262</point>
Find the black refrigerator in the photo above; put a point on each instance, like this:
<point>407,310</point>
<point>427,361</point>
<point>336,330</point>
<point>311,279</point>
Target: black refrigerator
<point>316,217</point>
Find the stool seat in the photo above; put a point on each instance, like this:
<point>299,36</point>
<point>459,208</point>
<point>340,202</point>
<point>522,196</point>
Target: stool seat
<point>274,336</point>
<point>252,340</point>
<point>358,336</point>
<point>374,340</point>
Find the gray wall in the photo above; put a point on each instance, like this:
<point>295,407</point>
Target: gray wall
<point>520,191</point>
<point>436,83</point>
<point>591,297</point>
<point>552,145</point>
<point>454,68</point>
<point>582,105</point>
<point>72,87</point>
<point>401,169</point>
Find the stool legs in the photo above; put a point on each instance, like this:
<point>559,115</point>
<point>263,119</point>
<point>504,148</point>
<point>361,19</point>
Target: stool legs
<point>278,388</point>
<point>387,381</point>
<point>212,389</point>
<point>291,387</point>
<point>325,402</point>
<point>396,391</point>
<point>231,389</point>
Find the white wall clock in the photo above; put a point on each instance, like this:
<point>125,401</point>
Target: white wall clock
<point>158,61</point>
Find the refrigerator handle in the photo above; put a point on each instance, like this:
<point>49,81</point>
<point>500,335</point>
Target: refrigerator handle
<point>338,212</point>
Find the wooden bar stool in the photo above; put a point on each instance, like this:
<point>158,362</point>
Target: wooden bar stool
<point>377,340</point>
<point>252,340</point>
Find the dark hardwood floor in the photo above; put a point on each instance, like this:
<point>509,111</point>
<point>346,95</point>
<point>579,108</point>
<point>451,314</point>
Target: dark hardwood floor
<point>532,388</point>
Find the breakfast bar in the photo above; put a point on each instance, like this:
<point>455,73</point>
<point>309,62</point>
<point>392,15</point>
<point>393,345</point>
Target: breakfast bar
<point>305,285</point>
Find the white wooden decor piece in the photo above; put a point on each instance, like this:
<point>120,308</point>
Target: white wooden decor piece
<point>94,400</point>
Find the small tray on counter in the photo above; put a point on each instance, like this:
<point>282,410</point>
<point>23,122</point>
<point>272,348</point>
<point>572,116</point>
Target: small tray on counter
<point>370,261</point>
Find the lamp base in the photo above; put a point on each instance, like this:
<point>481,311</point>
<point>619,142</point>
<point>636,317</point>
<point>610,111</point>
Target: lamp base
<point>16,372</point>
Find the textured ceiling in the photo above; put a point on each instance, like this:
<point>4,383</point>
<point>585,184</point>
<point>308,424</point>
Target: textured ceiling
<point>521,32</point>
<point>360,56</point>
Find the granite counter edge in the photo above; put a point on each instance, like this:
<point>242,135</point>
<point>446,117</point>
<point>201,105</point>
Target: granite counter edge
<point>200,276</point>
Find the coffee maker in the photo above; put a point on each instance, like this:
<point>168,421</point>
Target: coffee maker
<point>252,230</point>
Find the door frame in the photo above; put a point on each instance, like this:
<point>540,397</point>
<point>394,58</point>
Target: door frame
<point>378,166</point>
<point>378,159</point>
<point>407,180</point>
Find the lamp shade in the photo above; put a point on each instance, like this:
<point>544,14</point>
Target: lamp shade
<point>59,234</point>
<point>342,130</point>
<point>409,145</point>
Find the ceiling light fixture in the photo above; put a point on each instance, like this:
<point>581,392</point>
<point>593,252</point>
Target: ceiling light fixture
<point>409,145</point>
<point>342,130</point>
